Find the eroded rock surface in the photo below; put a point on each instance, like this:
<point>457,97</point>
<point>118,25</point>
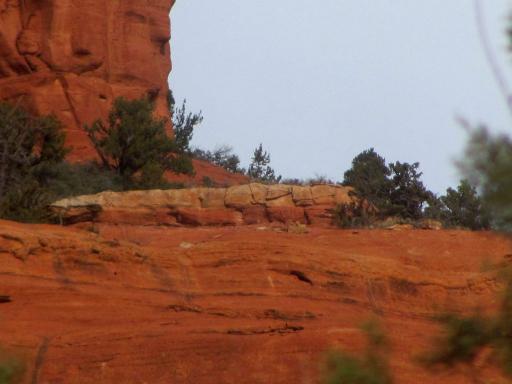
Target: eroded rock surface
<point>73,57</point>
<point>147,304</point>
<point>242,204</point>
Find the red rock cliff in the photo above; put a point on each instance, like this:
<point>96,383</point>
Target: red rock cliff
<point>73,57</point>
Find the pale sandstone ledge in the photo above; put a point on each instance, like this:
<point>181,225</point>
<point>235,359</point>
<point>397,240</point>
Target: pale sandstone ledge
<point>238,205</point>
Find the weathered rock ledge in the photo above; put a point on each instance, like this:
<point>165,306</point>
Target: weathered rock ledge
<point>238,205</point>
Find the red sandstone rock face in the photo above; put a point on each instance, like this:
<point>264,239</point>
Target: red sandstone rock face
<point>134,304</point>
<point>73,57</point>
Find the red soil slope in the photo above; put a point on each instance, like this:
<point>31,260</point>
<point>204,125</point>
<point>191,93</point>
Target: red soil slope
<point>219,176</point>
<point>229,305</point>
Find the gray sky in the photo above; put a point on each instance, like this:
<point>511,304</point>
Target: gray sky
<point>317,82</point>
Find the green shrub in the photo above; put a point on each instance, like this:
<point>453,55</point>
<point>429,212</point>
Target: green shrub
<point>33,173</point>
<point>353,215</point>
<point>408,194</point>
<point>208,182</point>
<point>26,202</point>
<point>463,207</point>
<point>65,180</point>
<point>134,143</point>
<point>369,176</point>
<point>181,163</point>
<point>395,190</point>
<point>488,165</point>
<point>183,123</point>
<point>260,169</point>
<point>464,337</point>
<point>29,147</point>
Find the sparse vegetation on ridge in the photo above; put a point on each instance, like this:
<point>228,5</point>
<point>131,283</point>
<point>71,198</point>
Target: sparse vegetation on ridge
<point>396,190</point>
<point>134,150</point>
<point>260,169</point>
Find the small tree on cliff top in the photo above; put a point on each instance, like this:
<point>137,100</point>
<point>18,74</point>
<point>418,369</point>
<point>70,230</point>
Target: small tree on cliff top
<point>134,141</point>
<point>183,123</point>
<point>369,176</point>
<point>408,194</point>
<point>464,207</point>
<point>260,169</point>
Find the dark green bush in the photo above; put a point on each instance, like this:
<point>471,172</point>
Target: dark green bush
<point>260,169</point>
<point>369,176</point>
<point>208,182</point>
<point>397,191</point>
<point>488,165</point>
<point>29,147</point>
<point>33,172</point>
<point>135,144</point>
<point>407,195</point>
<point>463,207</point>
<point>353,215</point>
<point>183,123</point>
<point>394,190</point>
<point>464,337</point>
<point>65,180</point>
<point>181,163</point>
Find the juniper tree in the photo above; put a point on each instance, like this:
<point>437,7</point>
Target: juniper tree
<point>183,123</point>
<point>134,141</point>
<point>369,176</point>
<point>408,193</point>
<point>260,169</point>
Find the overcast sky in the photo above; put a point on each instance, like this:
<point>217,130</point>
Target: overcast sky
<point>317,82</point>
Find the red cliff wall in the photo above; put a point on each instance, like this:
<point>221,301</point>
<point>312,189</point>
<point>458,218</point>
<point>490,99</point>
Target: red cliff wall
<point>73,57</point>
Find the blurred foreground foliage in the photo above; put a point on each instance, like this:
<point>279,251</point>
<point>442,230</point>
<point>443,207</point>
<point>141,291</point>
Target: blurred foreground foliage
<point>370,368</point>
<point>11,368</point>
<point>488,164</point>
<point>465,338</point>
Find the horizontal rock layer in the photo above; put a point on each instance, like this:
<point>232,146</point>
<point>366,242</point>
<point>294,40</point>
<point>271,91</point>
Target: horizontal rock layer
<point>243,204</point>
<point>231,305</point>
